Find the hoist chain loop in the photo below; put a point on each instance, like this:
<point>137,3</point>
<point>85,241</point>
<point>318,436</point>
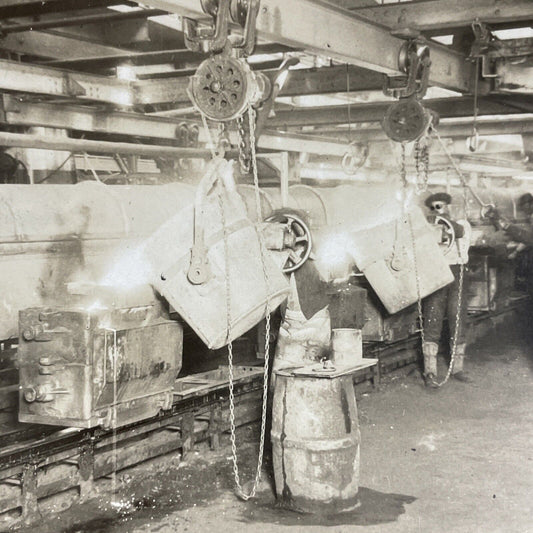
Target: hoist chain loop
<point>403,176</point>
<point>263,252</point>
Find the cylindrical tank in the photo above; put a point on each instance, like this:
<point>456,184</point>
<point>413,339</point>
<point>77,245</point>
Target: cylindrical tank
<point>315,443</point>
<point>51,235</point>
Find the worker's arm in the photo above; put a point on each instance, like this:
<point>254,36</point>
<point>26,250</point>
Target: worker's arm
<point>516,233</point>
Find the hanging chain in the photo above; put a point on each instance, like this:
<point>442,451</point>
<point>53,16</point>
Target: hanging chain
<point>403,175</point>
<point>244,148</point>
<point>459,300</point>
<point>473,143</point>
<point>239,489</point>
<point>417,280</point>
<point>457,324</point>
<point>403,166</point>
<point>422,165</point>
<point>461,176</point>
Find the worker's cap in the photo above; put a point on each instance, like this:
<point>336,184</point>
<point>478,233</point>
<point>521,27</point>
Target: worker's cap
<point>442,197</point>
<point>524,200</point>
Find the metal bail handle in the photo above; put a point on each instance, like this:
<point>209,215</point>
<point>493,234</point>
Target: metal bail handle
<point>199,270</point>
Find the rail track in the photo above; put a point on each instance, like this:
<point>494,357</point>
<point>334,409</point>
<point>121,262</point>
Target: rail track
<point>40,465</point>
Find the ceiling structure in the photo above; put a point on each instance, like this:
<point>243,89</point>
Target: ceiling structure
<point>113,72</point>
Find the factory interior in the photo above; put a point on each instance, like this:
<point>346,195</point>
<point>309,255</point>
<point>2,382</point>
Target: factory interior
<point>266,265</point>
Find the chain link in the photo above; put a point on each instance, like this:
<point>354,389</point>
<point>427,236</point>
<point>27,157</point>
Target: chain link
<point>257,478</point>
<point>403,167</point>
<point>422,165</point>
<point>245,162</point>
<point>403,176</point>
<point>457,324</point>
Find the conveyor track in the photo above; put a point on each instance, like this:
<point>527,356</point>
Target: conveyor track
<point>80,457</point>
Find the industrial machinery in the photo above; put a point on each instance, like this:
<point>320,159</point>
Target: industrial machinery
<point>106,359</point>
<point>93,228</point>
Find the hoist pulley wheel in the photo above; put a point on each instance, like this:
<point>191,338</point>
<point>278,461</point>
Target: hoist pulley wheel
<point>406,120</point>
<point>413,54</point>
<point>297,226</point>
<point>222,87</point>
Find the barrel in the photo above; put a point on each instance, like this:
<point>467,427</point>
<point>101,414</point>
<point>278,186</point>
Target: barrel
<point>315,443</point>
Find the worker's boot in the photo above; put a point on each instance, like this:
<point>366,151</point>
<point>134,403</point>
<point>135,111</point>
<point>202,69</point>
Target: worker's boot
<point>430,350</point>
<point>458,363</point>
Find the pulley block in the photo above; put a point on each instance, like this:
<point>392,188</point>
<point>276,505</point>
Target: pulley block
<point>223,87</point>
<point>406,120</point>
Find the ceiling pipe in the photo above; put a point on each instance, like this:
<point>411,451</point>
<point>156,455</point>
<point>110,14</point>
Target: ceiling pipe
<point>104,147</point>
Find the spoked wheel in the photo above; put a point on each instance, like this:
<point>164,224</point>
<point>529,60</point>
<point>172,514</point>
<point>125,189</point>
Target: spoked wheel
<point>448,233</point>
<point>298,229</point>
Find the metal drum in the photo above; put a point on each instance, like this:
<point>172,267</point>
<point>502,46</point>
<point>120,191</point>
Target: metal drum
<point>315,443</point>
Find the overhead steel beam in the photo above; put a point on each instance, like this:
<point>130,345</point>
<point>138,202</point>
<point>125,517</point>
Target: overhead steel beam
<point>299,82</point>
<point>35,8</point>
<point>521,124</point>
<point>177,56</point>
<point>445,14</point>
<point>22,77</point>
<point>47,44</point>
<point>328,115</point>
<point>77,20</point>
<point>326,30</point>
<point>327,80</point>
<point>86,119</point>
<point>82,118</point>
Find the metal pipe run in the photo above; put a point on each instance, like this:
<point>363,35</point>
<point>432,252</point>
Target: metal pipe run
<point>104,147</point>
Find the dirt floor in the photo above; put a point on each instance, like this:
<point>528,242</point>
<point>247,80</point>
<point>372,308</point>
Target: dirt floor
<point>459,459</point>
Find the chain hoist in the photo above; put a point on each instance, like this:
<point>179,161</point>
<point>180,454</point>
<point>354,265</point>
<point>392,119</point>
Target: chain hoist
<point>224,86</point>
<point>407,119</point>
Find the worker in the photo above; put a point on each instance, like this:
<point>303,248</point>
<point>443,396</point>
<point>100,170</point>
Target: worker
<point>514,231</point>
<point>445,302</point>
<point>305,332</point>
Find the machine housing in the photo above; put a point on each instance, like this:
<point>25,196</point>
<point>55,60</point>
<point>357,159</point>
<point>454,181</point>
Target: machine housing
<point>106,366</point>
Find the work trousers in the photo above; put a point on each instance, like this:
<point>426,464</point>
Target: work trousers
<point>443,304</point>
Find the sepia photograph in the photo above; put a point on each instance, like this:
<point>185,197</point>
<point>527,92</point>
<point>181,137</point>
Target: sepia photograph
<point>266,266</point>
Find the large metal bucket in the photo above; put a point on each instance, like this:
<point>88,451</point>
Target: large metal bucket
<point>401,260</point>
<point>220,220</point>
<point>315,443</point>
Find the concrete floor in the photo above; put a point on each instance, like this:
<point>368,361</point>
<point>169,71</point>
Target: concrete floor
<point>455,460</point>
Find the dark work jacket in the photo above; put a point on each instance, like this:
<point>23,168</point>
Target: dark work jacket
<point>311,289</point>
<point>523,235</point>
